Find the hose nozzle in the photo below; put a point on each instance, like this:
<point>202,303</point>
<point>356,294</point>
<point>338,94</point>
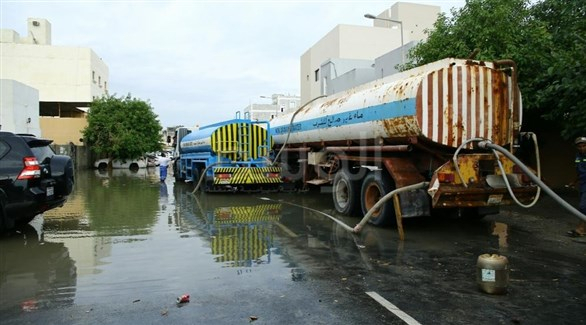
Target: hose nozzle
<point>483,144</point>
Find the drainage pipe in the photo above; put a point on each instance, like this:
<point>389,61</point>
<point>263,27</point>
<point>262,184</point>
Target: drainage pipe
<point>384,199</point>
<point>202,177</point>
<point>488,145</point>
<point>345,226</point>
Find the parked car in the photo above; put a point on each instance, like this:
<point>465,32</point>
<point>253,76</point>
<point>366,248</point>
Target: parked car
<point>138,173</point>
<point>132,164</point>
<point>33,179</point>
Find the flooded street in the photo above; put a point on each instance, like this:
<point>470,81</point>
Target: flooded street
<point>125,246</point>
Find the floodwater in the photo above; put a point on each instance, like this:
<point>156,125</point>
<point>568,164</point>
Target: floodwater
<point>126,245</point>
<point>125,236</point>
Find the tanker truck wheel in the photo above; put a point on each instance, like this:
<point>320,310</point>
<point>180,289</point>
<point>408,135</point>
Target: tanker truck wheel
<point>374,187</point>
<point>346,192</point>
<point>177,173</point>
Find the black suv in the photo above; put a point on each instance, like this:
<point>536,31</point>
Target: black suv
<point>33,179</point>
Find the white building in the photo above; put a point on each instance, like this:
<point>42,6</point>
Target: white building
<point>266,112</point>
<point>364,43</point>
<point>19,108</point>
<point>67,79</point>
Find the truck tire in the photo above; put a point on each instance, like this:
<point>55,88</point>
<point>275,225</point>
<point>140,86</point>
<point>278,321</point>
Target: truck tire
<point>195,174</point>
<point>374,186</point>
<point>177,172</point>
<point>62,172</point>
<point>346,193</point>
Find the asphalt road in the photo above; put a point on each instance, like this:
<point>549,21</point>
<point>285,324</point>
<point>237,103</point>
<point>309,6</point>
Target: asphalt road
<point>243,260</point>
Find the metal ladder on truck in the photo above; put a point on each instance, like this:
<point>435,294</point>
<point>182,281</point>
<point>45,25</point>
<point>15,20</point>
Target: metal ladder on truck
<point>244,134</point>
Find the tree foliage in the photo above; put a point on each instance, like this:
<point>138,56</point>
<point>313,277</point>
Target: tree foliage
<point>559,87</point>
<point>122,127</point>
<point>545,39</point>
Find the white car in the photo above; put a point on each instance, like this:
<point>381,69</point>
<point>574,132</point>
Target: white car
<point>139,173</point>
<point>131,164</point>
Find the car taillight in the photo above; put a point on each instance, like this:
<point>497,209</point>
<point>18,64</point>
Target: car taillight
<point>31,168</point>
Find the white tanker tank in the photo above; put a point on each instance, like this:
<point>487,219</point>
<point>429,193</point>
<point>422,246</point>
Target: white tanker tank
<point>412,127</point>
<point>446,102</point>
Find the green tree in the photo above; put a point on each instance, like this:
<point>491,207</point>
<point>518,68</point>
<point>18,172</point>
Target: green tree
<point>545,41</point>
<point>500,29</point>
<point>559,86</point>
<point>122,127</point>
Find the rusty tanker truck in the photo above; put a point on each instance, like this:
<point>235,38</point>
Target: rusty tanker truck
<point>420,126</point>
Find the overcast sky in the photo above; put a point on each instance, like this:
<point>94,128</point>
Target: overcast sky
<point>197,62</point>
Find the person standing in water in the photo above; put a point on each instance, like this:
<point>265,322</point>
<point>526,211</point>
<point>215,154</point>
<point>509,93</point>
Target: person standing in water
<point>163,162</point>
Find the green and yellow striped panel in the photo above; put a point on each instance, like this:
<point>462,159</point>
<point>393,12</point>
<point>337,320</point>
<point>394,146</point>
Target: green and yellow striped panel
<point>239,244</point>
<point>240,139</point>
<point>246,175</point>
<point>247,214</point>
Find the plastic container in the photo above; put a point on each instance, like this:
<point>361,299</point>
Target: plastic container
<point>492,273</point>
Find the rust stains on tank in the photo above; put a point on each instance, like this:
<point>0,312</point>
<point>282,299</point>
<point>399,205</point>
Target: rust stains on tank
<point>399,90</point>
<point>400,127</point>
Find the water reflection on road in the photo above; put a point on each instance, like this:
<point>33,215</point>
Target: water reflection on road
<point>124,236</point>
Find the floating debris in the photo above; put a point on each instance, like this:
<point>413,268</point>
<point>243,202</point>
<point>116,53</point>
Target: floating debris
<point>183,299</point>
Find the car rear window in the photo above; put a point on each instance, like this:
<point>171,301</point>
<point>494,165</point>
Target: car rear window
<point>3,148</point>
<point>43,153</point>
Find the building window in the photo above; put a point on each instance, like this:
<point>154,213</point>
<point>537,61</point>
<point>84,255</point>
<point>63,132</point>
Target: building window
<point>94,76</point>
<point>106,85</point>
<point>100,82</point>
<point>316,74</point>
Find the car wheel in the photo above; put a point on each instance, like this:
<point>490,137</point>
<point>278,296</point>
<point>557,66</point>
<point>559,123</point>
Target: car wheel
<point>62,172</point>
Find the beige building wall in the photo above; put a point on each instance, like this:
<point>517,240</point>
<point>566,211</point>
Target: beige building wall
<point>344,41</point>
<point>61,74</point>
<point>63,130</point>
<point>414,16</point>
<point>364,42</point>
<point>67,78</point>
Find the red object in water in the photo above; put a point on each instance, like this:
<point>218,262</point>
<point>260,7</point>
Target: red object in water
<point>182,299</point>
<point>30,305</point>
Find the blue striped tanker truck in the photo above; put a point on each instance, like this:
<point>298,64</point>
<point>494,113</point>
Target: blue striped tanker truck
<point>228,156</point>
<point>421,126</point>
